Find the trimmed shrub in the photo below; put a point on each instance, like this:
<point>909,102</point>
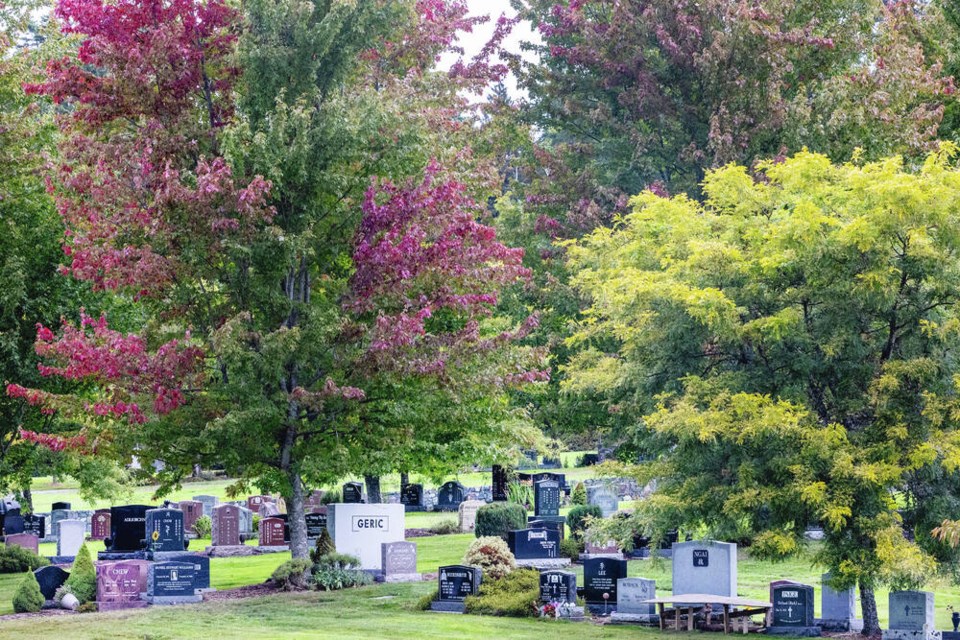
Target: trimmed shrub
<point>331,497</point>
<point>571,548</point>
<point>516,595</point>
<point>83,577</point>
<point>491,554</point>
<point>27,598</point>
<point>203,527</point>
<point>499,518</point>
<point>577,517</point>
<point>445,527</point>
<point>87,607</point>
<point>293,575</point>
<point>423,604</point>
<point>579,495</point>
<point>324,546</point>
<point>14,559</point>
<point>339,571</point>
<point>256,523</point>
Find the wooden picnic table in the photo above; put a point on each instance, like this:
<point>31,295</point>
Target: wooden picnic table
<point>734,609</point>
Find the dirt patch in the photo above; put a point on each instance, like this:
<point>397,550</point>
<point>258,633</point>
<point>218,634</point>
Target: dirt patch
<point>418,533</point>
<point>42,614</point>
<point>251,591</point>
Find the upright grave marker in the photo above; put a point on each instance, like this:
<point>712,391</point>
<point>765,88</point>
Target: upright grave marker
<point>164,530</point>
<point>271,532</point>
<point>70,538</point>
<point>118,586</point>
<point>399,562</point>
<point>600,576</point>
<point>536,547</point>
<point>37,525</point>
<point>208,502</point>
<point>360,529</point>
<point>605,498</point>
<point>100,525</point>
<point>128,528</point>
<point>792,613</point>
<point>558,586</point>
<point>631,606</point>
<point>450,495</point>
<point>201,570</point>
<point>500,482</point>
<point>12,522</point>
<point>467,514</point>
<point>455,583</point>
<point>705,566</point>
<point>225,526</point>
<point>838,608</point>
<point>172,582</point>
<point>316,523</point>
<point>352,493</point>
<point>911,616</point>
<point>23,540</point>
<point>411,497</point>
<point>546,499</point>
<point>192,511</point>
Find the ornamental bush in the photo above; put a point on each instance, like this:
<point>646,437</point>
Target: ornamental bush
<point>491,554</point>
<point>339,571</point>
<point>83,576</point>
<point>323,547</point>
<point>14,559</point>
<point>515,595</point>
<point>28,598</point>
<point>203,527</point>
<point>579,495</point>
<point>576,519</point>
<point>293,575</point>
<point>499,518</point>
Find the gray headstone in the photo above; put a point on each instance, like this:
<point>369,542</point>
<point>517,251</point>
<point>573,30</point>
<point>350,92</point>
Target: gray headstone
<point>467,514</point>
<point>399,561</point>
<point>246,520</point>
<point>911,611</point>
<point>209,502</point>
<point>70,537</point>
<point>605,498</point>
<point>838,609</point>
<point>705,566</point>
<point>631,592</point>
<point>164,529</point>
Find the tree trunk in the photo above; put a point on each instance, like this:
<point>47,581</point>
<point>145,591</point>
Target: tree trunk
<point>373,489</point>
<point>868,604</point>
<point>404,479</point>
<point>296,518</point>
<point>27,506</point>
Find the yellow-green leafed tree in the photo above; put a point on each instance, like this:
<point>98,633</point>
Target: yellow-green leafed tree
<point>788,351</point>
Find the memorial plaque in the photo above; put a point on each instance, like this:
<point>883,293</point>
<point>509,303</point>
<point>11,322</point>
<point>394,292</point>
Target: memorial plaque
<point>450,495</point>
<point>128,527</point>
<point>534,544</point>
<point>558,586</point>
<point>701,557</point>
<point>170,579</point>
<point>316,523</point>
<point>546,498</point>
<point>201,569</point>
<point>118,586</point>
<point>457,582</point>
<point>37,525</point>
<point>352,493</point>
<point>164,529</point>
<point>600,576</point>
<point>271,532</point>
<point>411,497</point>
<point>226,525</point>
<point>100,525</point>
<point>500,482</point>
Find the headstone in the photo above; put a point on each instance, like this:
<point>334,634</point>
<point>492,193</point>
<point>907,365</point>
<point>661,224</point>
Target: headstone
<point>286,525</point>
<point>609,549</point>
<point>792,612</point>
<point>70,538</point>
<point>12,522</point>
<point>56,515</point>
<point>352,493</point>
<point>269,509</point>
<point>192,511</point>
<point>631,596</point>
<point>313,501</point>
<point>399,562</point>
<point>359,530</point>
<point>50,578</point>
<point>500,482</point>
<point>164,529</point>
<point>705,566</point>
<point>838,608</point>
<point>551,463</point>
<point>590,459</point>
<point>605,498</point>
<point>118,586</point>
<point>254,503</point>
<point>209,502</point>
<point>271,532</point>
<point>246,520</point>
<point>171,582</point>
<point>534,544</point>
<point>456,582</point>
<point>25,540</point>
<point>450,495</point>
<point>467,514</point>
<point>411,497</point>
<point>225,525</point>
<point>911,616</point>
<point>100,525</point>
<point>600,576</point>
<point>201,569</point>
<point>37,525</point>
<point>128,527</point>
<point>60,506</point>
<point>558,586</point>
<point>316,523</point>
<point>553,525</point>
<point>546,498</point>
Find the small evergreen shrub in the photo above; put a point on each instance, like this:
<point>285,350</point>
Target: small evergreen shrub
<point>27,598</point>
<point>87,607</point>
<point>14,559</point>
<point>516,595</point>
<point>577,518</point>
<point>491,554</point>
<point>293,575</point>
<point>256,523</point>
<point>579,495</point>
<point>324,546</point>
<point>339,571</point>
<point>571,548</point>
<point>203,527</point>
<point>445,527</point>
<point>331,497</point>
<point>423,604</point>
<point>499,518</point>
<point>83,576</point>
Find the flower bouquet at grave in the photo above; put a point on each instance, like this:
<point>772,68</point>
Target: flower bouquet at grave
<point>549,610</point>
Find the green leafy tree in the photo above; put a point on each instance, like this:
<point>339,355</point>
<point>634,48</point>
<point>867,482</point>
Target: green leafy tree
<point>785,352</point>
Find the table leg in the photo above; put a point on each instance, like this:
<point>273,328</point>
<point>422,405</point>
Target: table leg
<point>660,611</point>
<point>676,620</point>
<point>726,618</point>
<point>690,618</point>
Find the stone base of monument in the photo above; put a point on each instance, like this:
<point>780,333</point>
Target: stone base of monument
<point>401,577</point>
<point>448,607</point>
<point>898,634</point>
<point>855,624</point>
<point>634,618</point>
<point>273,549</point>
<point>117,556</point>
<point>164,555</point>
<point>230,551</point>
<point>572,613</point>
<point>602,610</point>
<point>171,600</point>
<point>799,632</point>
<point>117,606</point>
<point>61,559</point>
<point>951,635</point>
<point>591,556</point>
<point>544,563</point>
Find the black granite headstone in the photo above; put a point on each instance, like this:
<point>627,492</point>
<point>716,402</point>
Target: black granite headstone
<point>50,578</point>
<point>558,586</point>
<point>557,525</point>
<point>201,568</point>
<point>37,525</point>
<point>450,495</point>
<point>316,523</point>
<point>169,579</point>
<point>546,498</point>
<point>600,576</point>
<point>500,482</point>
<point>534,544</point>
<point>57,506</point>
<point>457,582</point>
<point>411,497</point>
<point>792,612</point>
<point>128,527</point>
<point>13,523</point>
<point>352,492</point>
<point>164,529</point>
